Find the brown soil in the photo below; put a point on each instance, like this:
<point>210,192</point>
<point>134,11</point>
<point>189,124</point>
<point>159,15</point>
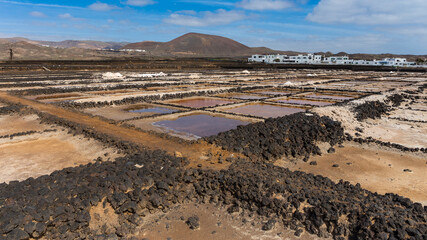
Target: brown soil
<point>68,95</point>
<point>215,223</point>
<point>39,154</point>
<point>110,92</point>
<point>15,123</point>
<point>378,170</point>
<point>103,217</point>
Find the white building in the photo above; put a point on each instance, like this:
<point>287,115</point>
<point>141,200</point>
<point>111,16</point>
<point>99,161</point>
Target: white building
<point>257,58</point>
<point>398,62</point>
<point>305,59</point>
<point>277,58</point>
<point>337,60</point>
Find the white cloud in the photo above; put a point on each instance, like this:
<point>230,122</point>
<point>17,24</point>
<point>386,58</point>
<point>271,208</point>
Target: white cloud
<point>139,3</point>
<point>39,4</point>
<point>37,14</point>
<point>264,4</point>
<point>189,12</point>
<point>368,43</point>
<point>208,2</point>
<point>219,17</point>
<point>69,17</point>
<point>99,6</point>
<point>65,16</point>
<point>370,12</point>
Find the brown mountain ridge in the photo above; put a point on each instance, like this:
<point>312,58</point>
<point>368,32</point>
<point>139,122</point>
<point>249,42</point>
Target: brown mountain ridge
<point>197,44</point>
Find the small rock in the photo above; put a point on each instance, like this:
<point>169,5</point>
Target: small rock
<point>313,163</point>
<point>335,165</point>
<point>298,232</point>
<point>331,150</point>
<point>407,170</point>
<point>269,225</point>
<point>234,208</point>
<point>18,234</point>
<point>193,222</point>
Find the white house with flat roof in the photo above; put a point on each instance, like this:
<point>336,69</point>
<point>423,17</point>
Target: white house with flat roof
<point>277,58</point>
<point>338,60</point>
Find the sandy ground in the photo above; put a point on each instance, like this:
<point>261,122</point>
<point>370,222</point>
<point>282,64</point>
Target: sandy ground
<point>39,154</point>
<point>410,114</point>
<point>386,129</point>
<point>378,170</point>
<point>405,133</point>
<point>215,223</point>
<point>10,124</point>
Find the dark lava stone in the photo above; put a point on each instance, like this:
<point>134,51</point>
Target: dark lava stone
<point>233,209</point>
<point>193,222</point>
<point>313,163</point>
<point>269,225</point>
<point>298,232</point>
<point>18,234</point>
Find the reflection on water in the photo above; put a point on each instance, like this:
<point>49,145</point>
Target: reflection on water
<point>153,110</point>
<point>305,102</point>
<point>327,96</point>
<point>265,110</point>
<point>201,102</point>
<point>200,125</point>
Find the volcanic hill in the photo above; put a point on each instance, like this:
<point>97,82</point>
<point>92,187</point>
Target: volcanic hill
<point>197,44</point>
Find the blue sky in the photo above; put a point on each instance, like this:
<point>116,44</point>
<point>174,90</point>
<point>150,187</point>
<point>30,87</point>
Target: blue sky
<point>367,26</point>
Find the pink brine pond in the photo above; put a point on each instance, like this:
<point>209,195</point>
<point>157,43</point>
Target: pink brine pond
<point>201,102</point>
<point>265,110</point>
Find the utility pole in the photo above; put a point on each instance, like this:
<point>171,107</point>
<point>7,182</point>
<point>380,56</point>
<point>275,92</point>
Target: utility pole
<point>11,54</point>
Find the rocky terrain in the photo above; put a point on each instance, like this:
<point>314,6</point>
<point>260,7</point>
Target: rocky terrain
<point>106,171</point>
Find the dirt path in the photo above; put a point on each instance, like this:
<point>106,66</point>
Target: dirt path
<point>196,153</point>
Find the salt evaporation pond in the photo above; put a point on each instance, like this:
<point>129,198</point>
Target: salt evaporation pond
<point>200,125</point>
<point>327,96</point>
<point>153,110</point>
<point>265,110</point>
<point>305,102</point>
<point>201,102</point>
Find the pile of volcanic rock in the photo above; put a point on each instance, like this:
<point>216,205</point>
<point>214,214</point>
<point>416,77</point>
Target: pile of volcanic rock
<point>371,109</point>
<point>376,109</point>
<point>10,109</point>
<point>290,136</point>
<point>59,205</point>
<point>396,99</point>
